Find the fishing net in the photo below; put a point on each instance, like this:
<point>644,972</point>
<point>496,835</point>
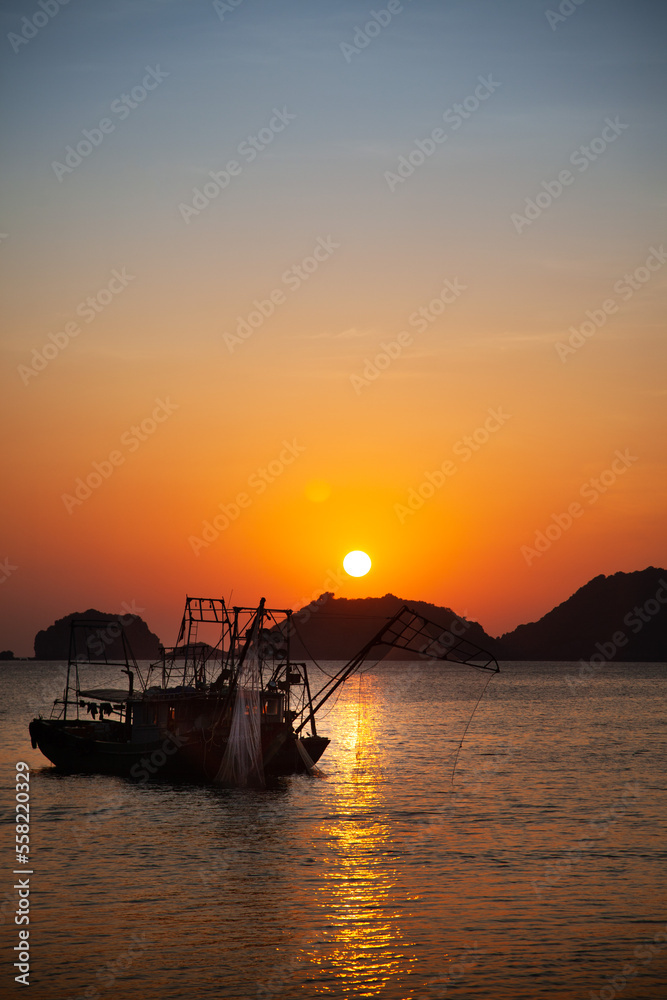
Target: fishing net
<point>241,765</point>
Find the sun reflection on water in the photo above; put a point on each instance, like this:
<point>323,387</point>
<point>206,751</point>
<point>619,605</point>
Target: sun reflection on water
<point>359,895</point>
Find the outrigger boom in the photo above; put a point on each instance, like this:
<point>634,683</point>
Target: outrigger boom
<point>412,632</point>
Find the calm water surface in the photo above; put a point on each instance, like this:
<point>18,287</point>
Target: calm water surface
<point>537,872</point>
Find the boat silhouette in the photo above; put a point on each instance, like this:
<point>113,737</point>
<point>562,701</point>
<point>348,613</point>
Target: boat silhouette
<point>236,713</point>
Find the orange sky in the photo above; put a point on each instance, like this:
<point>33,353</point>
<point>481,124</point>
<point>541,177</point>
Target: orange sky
<point>313,222</point>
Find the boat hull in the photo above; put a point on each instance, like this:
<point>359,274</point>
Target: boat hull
<point>105,748</point>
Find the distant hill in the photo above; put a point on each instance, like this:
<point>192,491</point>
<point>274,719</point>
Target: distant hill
<point>335,628</point>
<point>623,617</point>
<point>52,643</point>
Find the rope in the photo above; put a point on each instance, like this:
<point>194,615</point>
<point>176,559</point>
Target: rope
<point>335,702</point>
<point>465,731</point>
<point>310,655</point>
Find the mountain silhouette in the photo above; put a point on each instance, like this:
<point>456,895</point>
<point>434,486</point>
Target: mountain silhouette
<point>621,616</point>
<point>103,641</point>
<point>335,628</point>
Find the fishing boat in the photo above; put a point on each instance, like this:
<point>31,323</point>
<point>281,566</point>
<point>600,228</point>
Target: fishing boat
<point>238,711</point>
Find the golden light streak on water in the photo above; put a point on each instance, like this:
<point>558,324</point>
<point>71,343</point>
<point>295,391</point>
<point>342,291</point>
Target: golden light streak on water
<point>359,896</point>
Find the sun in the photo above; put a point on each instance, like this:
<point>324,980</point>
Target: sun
<point>356,563</point>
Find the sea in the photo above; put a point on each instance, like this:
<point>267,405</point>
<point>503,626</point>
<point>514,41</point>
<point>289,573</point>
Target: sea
<point>526,861</point>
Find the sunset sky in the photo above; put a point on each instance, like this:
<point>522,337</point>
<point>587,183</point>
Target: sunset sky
<point>502,163</point>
